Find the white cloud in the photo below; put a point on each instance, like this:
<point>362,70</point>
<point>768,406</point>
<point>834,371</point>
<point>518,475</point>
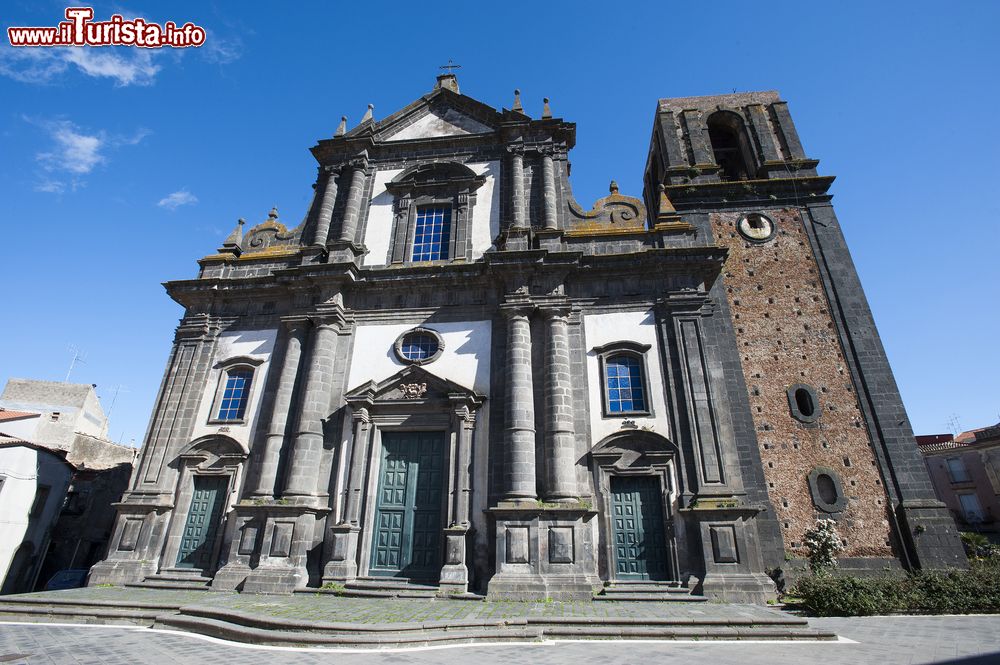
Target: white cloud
<point>181,197</point>
<point>74,153</point>
<point>220,50</point>
<point>127,66</point>
<point>136,68</point>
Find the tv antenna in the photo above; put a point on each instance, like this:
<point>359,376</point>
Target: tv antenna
<point>954,424</point>
<point>119,388</point>
<point>78,357</point>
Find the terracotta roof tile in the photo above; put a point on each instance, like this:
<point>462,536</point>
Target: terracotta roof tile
<point>7,414</point>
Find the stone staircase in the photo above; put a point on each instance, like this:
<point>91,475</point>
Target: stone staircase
<point>646,591</point>
<point>59,610</point>
<point>388,587</point>
<point>174,578</point>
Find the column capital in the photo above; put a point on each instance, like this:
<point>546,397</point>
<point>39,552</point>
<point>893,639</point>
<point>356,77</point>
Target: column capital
<point>359,163</point>
<point>555,311</point>
<point>330,170</point>
<point>517,310</point>
<point>295,322</point>
<point>516,148</point>
<point>694,302</point>
<point>360,415</point>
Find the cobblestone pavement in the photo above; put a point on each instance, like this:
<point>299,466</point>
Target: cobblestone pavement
<point>327,607</point>
<point>965,640</point>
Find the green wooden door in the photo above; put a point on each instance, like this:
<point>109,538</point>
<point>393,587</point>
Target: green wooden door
<point>637,522</point>
<point>202,522</point>
<point>406,541</point>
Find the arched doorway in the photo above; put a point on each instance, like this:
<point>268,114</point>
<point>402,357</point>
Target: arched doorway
<point>636,487</point>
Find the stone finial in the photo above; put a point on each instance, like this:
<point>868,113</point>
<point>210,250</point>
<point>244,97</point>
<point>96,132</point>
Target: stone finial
<point>342,127</point>
<point>273,214</point>
<point>546,111</point>
<point>447,81</point>
<point>233,244</point>
<point>613,188</point>
<point>517,101</point>
<point>368,114</point>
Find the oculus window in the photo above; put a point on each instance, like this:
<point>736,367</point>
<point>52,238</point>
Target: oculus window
<point>419,346</point>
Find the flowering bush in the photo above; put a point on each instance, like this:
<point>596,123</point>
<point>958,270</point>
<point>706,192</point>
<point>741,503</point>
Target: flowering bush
<point>823,544</point>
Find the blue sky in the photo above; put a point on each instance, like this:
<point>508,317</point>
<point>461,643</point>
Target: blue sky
<point>119,168</point>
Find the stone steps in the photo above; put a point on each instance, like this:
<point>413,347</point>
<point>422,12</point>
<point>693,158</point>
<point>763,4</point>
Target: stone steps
<point>648,592</point>
<point>175,581</point>
<point>91,611</point>
<point>389,587</point>
<point>259,629</point>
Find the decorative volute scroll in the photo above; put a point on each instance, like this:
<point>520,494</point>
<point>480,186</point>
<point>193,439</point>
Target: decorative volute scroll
<point>612,214</point>
<point>269,237</point>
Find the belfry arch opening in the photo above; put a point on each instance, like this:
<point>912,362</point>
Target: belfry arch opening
<point>731,146</point>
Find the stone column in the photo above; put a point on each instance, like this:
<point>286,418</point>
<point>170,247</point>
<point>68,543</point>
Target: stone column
<point>517,199</point>
<point>326,208</point>
<point>560,435</point>
<point>343,563</point>
<point>519,408</point>
<point>549,187</point>
<point>308,444</point>
<point>352,211</point>
<point>269,456</point>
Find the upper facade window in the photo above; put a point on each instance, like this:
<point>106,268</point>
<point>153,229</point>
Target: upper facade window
<point>433,231</point>
<point>433,206</point>
<point>624,376</point>
<point>232,396</point>
<point>624,379</point>
<point>235,395</point>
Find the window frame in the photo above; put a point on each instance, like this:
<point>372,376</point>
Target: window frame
<point>397,346</point>
<point>447,240</point>
<point>793,404</point>
<point>225,368</point>
<point>433,185</point>
<point>952,476</point>
<point>628,348</point>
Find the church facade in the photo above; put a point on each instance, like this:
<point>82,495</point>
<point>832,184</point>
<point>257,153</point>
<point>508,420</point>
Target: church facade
<point>451,374</point>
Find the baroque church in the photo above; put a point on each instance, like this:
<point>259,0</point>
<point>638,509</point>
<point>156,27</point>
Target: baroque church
<point>453,376</point>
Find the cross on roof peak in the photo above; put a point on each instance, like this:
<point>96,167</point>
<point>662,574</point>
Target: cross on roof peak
<point>450,67</point>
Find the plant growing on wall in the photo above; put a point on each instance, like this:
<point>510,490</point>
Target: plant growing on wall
<point>823,543</point>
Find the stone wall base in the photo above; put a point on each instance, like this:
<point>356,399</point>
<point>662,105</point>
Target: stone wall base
<point>755,588</point>
<point>120,572</point>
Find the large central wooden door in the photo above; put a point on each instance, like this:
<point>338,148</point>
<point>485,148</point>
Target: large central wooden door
<point>202,524</point>
<point>637,523</point>
<point>406,540</point>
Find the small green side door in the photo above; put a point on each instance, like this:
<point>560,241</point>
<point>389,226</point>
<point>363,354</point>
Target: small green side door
<point>406,540</point>
<point>202,523</point>
<point>638,530</point>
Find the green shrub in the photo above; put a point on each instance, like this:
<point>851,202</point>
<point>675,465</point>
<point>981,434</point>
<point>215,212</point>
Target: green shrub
<point>957,592</point>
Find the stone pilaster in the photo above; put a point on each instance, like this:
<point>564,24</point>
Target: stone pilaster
<point>307,446</point>
<point>266,476</point>
<point>519,408</point>
<point>550,218</point>
<point>560,434</point>
<point>343,563</point>
<point>352,211</point>
<point>326,208</point>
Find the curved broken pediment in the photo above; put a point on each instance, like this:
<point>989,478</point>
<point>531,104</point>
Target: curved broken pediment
<point>613,213</point>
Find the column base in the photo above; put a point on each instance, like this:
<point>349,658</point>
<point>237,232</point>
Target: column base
<point>543,552</point>
<point>289,534</point>
<point>230,577</point>
<point>343,563</point>
<point>752,588</point>
<point>454,579</point>
<point>120,572</point>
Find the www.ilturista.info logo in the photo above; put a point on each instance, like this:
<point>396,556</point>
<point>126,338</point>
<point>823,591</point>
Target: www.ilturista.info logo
<point>80,30</point>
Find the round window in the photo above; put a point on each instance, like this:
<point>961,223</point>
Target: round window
<point>418,346</point>
<point>756,228</point>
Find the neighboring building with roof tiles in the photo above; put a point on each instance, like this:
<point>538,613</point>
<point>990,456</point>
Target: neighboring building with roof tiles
<point>451,373</point>
<point>58,480</point>
<point>965,470</point>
